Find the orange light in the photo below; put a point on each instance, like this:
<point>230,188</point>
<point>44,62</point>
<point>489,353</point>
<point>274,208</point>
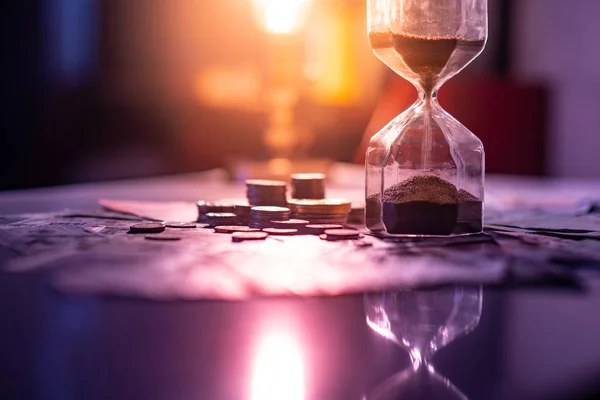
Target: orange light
<point>281,16</point>
<point>278,372</point>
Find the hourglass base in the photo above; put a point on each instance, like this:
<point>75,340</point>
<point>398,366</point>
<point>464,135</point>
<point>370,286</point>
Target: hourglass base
<point>383,234</point>
<point>421,384</point>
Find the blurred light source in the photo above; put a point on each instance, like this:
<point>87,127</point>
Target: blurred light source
<point>281,16</point>
<point>228,87</point>
<point>278,372</point>
<point>283,22</point>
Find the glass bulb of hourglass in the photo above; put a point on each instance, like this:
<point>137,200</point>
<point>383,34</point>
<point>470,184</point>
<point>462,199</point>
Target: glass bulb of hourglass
<point>425,170</point>
<point>422,322</point>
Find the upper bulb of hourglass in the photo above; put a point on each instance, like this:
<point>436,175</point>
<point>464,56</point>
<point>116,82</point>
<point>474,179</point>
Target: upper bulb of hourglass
<point>427,61</point>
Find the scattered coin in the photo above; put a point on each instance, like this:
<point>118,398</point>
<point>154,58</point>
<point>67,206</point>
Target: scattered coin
<point>330,238</point>
<point>182,225</point>
<point>342,234</point>
<point>317,229</point>
<point>216,219</point>
<point>277,231</point>
<point>234,228</point>
<point>147,227</point>
<point>164,237</point>
<point>241,236</point>
<point>290,224</point>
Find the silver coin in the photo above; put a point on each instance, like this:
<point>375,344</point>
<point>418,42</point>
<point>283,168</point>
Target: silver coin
<point>147,227</point>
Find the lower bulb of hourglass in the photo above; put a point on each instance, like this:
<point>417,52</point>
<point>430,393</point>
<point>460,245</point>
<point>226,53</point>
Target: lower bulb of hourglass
<point>413,385</point>
<point>424,176</point>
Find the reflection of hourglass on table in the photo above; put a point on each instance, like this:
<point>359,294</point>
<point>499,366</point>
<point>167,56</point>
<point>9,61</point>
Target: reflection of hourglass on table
<point>424,170</point>
<point>422,321</point>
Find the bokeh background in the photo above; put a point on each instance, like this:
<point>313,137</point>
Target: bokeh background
<point>109,89</point>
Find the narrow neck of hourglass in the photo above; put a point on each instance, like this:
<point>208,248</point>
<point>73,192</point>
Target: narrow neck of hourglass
<point>419,357</point>
<point>427,97</point>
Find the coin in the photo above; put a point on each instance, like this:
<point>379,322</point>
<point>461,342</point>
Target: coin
<point>261,216</point>
<point>308,186</point>
<point>325,211</point>
<point>265,182</point>
<point>164,237</point>
<point>290,224</point>
<point>205,207</point>
<point>322,219</point>
<point>233,228</point>
<point>182,225</point>
<point>241,236</point>
<point>284,232</point>
<point>216,219</point>
<point>269,209</point>
<point>316,229</point>
<point>147,227</point>
<point>261,192</point>
<point>308,176</point>
<point>242,210</point>
<point>320,211</point>
<point>340,234</point>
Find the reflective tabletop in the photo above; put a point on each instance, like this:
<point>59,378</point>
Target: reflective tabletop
<point>526,344</point>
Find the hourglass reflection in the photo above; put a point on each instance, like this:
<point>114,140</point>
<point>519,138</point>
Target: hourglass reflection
<point>425,170</point>
<point>422,322</point>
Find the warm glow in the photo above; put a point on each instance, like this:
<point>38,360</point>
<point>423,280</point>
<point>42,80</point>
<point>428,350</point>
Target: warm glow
<point>281,16</point>
<point>278,369</point>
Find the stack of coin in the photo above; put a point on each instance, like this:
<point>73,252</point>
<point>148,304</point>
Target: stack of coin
<point>261,216</point>
<point>205,207</point>
<point>308,186</point>
<point>357,214</point>
<point>217,219</point>
<point>262,192</point>
<point>326,211</point>
<point>242,210</point>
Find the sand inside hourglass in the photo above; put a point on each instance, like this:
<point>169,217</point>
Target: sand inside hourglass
<point>425,205</point>
<point>424,58</point>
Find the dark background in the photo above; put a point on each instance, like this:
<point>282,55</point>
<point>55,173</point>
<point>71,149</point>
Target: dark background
<point>107,89</point>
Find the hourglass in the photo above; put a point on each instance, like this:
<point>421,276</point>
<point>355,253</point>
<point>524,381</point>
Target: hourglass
<point>424,169</point>
<point>422,321</point>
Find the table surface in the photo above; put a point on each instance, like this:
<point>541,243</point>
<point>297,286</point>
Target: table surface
<point>528,345</point>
